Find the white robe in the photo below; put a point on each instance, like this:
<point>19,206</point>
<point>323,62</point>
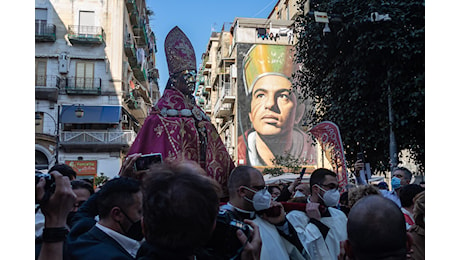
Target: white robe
<point>274,246</point>
<point>311,238</point>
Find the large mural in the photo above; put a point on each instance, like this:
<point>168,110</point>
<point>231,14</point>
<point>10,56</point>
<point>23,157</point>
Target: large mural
<point>270,111</point>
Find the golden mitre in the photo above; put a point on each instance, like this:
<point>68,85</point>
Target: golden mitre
<point>265,59</point>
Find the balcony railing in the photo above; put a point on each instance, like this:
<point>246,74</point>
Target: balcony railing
<point>129,47</point>
<point>141,34</point>
<point>45,32</point>
<point>47,81</point>
<point>125,137</point>
<point>83,86</point>
<point>86,34</point>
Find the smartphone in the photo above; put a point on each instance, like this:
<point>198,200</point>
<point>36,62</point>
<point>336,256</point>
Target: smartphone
<point>360,156</point>
<point>302,172</point>
<point>145,161</point>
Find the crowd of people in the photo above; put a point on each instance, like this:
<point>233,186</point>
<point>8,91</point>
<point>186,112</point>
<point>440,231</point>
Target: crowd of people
<point>176,211</point>
<point>197,205</point>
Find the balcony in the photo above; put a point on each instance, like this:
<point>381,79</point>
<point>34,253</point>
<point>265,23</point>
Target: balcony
<point>82,34</point>
<point>224,105</point>
<point>97,140</point>
<point>133,13</point>
<point>129,47</point>
<point>83,86</point>
<point>223,110</point>
<point>138,108</point>
<point>131,5</point>
<point>47,87</point>
<point>140,34</point>
<point>226,94</point>
<point>44,32</point>
<point>139,73</point>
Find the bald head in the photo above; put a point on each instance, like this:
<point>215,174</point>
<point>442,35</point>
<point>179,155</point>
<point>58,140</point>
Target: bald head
<point>242,176</point>
<point>376,229</point>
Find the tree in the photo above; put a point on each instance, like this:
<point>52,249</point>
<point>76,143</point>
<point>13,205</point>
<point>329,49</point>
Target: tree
<point>349,72</point>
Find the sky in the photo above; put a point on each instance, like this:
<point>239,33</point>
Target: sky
<point>197,20</point>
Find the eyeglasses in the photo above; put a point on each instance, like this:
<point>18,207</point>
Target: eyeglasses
<point>331,186</point>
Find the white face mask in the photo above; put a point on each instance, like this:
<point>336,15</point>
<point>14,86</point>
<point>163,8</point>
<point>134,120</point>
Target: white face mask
<point>261,200</point>
<point>331,197</point>
<point>298,193</point>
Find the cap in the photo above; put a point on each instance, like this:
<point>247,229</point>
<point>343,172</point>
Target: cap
<point>180,54</point>
<point>266,59</point>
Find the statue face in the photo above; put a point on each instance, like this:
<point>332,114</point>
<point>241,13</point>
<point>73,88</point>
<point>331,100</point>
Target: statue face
<point>185,81</point>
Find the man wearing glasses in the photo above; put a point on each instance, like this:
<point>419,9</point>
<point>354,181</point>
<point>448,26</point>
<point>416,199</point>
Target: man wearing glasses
<point>321,227</point>
<point>248,195</point>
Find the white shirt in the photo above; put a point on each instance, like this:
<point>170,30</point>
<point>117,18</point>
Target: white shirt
<point>129,244</point>
<point>311,238</point>
<point>392,195</point>
<point>274,246</point>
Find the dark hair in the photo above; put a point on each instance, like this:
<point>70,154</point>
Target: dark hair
<point>387,239</point>
<point>271,188</point>
<point>238,177</point>
<point>180,206</point>
<point>407,173</point>
<point>79,184</point>
<point>65,170</point>
<point>116,192</point>
<point>407,194</point>
<point>318,176</point>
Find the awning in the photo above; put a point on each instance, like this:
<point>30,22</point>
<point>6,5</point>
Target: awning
<point>92,115</point>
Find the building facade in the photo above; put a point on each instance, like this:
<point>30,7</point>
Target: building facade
<point>95,82</point>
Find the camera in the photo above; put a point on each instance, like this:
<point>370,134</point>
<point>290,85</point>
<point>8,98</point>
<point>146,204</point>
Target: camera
<point>50,185</point>
<point>49,179</point>
<point>224,244</point>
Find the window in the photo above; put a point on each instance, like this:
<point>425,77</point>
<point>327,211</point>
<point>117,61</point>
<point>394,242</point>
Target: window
<point>84,75</point>
<point>40,73</point>
<point>86,22</point>
<point>39,123</point>
<point>41,16</point>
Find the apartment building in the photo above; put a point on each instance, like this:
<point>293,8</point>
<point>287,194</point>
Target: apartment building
<point>286,10</point>
<point>95,81</point>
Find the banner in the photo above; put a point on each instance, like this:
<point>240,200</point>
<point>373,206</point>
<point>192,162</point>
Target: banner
<point>328,135</point>
<point>83,167</point>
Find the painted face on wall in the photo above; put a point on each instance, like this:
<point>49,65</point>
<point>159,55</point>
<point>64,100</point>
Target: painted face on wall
<point>273,106</point>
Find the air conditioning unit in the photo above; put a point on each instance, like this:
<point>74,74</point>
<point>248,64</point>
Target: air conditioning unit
<point>233,71</point>
<point>63,63</point>
<point>124,119</point>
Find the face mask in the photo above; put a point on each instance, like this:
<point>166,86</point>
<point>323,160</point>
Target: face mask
<point>135,231</point>
<point>395,183</point>
<point>298,194</point>
<point>331,197</point>
<point>261,199</point>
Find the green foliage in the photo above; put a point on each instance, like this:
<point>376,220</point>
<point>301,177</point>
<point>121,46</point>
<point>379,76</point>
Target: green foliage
<point>284,162</point>
<point>348,73</point>
<point>274,171</point>
<point>99,180</point>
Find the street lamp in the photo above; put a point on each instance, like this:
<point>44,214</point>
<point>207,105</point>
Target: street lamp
<point>79,112</point>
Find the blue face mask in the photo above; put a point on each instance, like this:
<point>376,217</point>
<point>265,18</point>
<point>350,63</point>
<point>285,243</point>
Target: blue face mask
<point>395,183</point>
